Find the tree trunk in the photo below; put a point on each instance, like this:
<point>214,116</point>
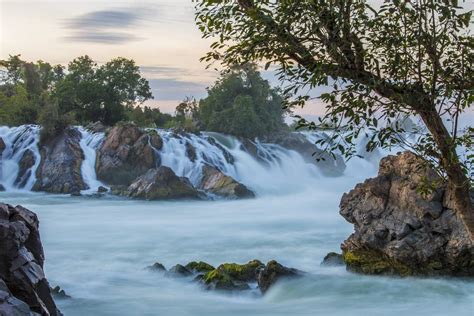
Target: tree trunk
<point>457,197</point>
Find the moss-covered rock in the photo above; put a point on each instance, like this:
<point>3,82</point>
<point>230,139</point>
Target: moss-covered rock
<point>199,267</point>
<point>374,262</point>
<point>242,272</point>
<point>220,280</point>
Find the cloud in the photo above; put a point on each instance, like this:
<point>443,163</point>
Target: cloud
<point>106,26</point>
<point>174,89</point>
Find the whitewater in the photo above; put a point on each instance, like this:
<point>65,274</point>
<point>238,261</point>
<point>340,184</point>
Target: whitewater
<point>97,248</point>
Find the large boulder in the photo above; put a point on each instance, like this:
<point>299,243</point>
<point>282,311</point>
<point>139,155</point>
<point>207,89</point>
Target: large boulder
<point>27,161</point>
<point>329,165</point>
<point>60,167</point>
<point>401,230</point>
<point>161,184</point>
<point>24,289</point>
<point>127,153</point>
<point>215,182</point>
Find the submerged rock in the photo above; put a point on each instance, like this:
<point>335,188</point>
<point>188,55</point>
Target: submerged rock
<point>400,231</point>
<point>216,182</point>
<point>333,259</point>
<point>24,289</point>
<point>274,272</point>
<point>59,293</point>
<point>178,271</point>
<point>60,167</point>
<point>157,267</point>
<point>126,153</point>
<point>161,184</point>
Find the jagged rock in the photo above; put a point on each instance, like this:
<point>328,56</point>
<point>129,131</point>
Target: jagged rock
<point>218,183</point>
<point>199,267</point>
<point>3,146</point>
<point>161,184</point>
<point>59,293</point>
<point>60,167</point>
<point>333,259</point>
<point>22,277</point>
<point>272,273</point>
<point>126,153</point>
<point>400,231</point>
<point>191,151</point>
<point>227,155</point>
<point>309,151</point>
<point>102,189</point>
<point>221,281</point>
<point>157,267</point>
<point>178,271</point>
<point>27,161</point>
<point>96,127</point>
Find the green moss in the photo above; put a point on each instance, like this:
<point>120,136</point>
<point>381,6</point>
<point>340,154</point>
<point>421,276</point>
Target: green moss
<point>373,262</point>
<point>241,272</point>
<point>219,280</point>
<point>200,267</point>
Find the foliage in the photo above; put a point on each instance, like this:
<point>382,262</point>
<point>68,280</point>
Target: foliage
<point>241,103</point>
<point>401,59</point>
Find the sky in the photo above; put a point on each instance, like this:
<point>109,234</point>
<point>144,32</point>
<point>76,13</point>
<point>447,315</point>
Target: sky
<point>159,35</point>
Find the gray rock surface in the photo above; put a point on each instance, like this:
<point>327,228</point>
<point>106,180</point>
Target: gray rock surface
<point>24,289</point>
<point>27,161</point>
<point>400,231</point>
<point>215,182</point>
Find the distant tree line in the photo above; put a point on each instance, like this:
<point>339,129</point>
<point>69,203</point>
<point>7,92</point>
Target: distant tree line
<point>240,103</point>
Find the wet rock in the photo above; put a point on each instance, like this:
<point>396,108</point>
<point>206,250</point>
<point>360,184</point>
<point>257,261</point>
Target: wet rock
<point>328,165</point>
<point>242,272</point>
<point>274,272</point>
<point>221,281</point>
<point>2,188</point>
<point>126,154</point>
<point>96,127</point>
<point>157,267</point>
<point>60,167</point>
<point>400,231</point>
<point>227,155</point>
<point>3,146</point>
<point>161,184</point>
<point>191,152</point>
<point>333,259</point>
<point>23,285</point>
<point>59,293</point>
<point>155,140</point>
<point>27,161</point>
<point>219,184</point>
<point>178,271</point>
<point>199,267</point>
<point>102,189</point>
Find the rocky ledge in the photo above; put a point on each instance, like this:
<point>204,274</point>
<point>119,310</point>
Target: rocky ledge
<point>398,230</point>
<point>231,276</point>
<point>24,289</point>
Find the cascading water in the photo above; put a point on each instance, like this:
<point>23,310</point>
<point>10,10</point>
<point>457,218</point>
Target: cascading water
<point>20,158</point>
<point>90,142</point>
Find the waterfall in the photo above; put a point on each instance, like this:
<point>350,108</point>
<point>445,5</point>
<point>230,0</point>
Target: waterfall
<point>20,157</point>
<point>90,142</point>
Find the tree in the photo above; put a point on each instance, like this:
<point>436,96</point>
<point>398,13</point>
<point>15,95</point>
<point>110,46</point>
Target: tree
<point>404,58</point>
<point>242,103</point>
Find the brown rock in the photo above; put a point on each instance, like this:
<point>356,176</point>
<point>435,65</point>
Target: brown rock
<point>216,182</point>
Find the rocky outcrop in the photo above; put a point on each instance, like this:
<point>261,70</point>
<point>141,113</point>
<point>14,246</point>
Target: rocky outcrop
<point>27,161</point>
<point>96,127</point>
<point>24,289</point>
<point>399,230</point>
<point>161,184</point>
<point>333,259</point>
<point>127,153</point>
<point>3,146</point>
<point>60,167</point>
<point>231,276</point>
<point>328,165</point>
<point>217,183</point>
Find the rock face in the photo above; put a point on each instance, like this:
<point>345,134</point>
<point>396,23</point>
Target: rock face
<point>126,153</point>
<point>400,231</point>
<point>310,152</point>
<point>60,167</point>
<point>23,285</point>
<point>272,273</point>
<point>27,161</point>
<point>96,127</point>
<point>216,182</point>
<point>3,146</point>
<point>161,184</point>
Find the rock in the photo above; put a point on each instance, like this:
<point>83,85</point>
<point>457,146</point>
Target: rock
<point>199,267</point>
<point>3,146</point>
<point>2,188</point>
<point>102,189</point>
<point>219,184</point>
<point>190,151</point>
<point>161,184</point>
<point>242,272</point>
<point>22,279</point>
<point>227,155</point>
<point>27,161</point>
<point>157,267</point>
<point>59,293</point>
<point>96,127</point>
<point>400,231</point>
<point>333,259</point>
<point>126,154</point>
<point>309,151</point>
<point>178,271</point>
<point>60,167</point>
<point>221,281</point>
<point>272,273</point>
